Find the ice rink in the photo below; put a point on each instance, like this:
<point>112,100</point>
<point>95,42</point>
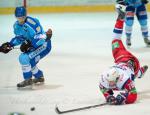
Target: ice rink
<point>81,51</point>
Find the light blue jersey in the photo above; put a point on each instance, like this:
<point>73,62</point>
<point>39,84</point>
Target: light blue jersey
<point>30,30</point>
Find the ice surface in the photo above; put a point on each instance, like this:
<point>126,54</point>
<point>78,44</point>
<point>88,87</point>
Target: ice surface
<point>81,51</point>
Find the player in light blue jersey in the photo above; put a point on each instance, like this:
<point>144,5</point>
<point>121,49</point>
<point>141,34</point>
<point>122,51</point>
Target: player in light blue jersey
<point>34,43</point>
<point>138,8</point>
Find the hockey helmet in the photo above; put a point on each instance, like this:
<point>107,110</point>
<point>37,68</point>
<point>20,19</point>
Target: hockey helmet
<point>112,74</point>
<point>20,11</point>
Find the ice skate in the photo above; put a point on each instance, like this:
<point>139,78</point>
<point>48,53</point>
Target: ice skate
<point>143,69</point>
<point>25,83</point>
<point>121,11</point>
<point>38,81</point>
<point>128,42</point>
<point>147,41</point>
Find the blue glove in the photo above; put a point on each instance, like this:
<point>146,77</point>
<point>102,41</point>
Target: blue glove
<point>121,98</point>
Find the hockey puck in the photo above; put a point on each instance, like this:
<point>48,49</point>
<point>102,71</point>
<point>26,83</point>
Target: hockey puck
<point>32,108</point>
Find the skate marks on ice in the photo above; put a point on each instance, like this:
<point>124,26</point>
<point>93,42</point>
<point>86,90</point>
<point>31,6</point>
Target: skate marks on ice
<point>144,95</point>
<point>11,89</point>
<point>140,49</point>
<point>45,86</point>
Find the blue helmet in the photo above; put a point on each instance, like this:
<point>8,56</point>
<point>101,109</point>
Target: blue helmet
<point>20,11</point>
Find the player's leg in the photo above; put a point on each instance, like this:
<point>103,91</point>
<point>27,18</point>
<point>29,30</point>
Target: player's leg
<point>142,18</point>
<point>36,56</point>
<point>129,20</point>
<point>38,74</point>
<point>26,69</point>
<point>117,45</point>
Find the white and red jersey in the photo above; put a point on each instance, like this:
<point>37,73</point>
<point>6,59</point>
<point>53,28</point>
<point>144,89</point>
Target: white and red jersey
<point>123,83</point>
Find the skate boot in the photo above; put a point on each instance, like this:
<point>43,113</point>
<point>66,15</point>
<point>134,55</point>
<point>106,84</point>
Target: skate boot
<point>147,41</point>
<point>128,42</point>
<point>143,70</point>
<point>25,83</point>
<point>121,11</point>
<point>38,80</point>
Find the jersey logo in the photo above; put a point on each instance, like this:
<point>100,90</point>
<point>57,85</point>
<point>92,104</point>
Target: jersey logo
<point>38,29</point>
<point>115,45</point>
<point>31,21</point>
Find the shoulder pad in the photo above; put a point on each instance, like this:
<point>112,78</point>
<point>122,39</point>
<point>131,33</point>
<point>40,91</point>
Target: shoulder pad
<point>31,21</point>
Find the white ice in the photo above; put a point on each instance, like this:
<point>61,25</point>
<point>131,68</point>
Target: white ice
<point>81,50</point>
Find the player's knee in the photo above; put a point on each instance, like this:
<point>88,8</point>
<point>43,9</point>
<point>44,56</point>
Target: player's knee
<point>129,22</point>
<point>24,59</point>
<point>143,22</point>
<point>131,99</point>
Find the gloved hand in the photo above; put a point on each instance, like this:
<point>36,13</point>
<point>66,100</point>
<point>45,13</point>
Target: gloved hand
<point>121,98</point>
<point>145,1</point>
<point>111,100</point>
<point>48,34</point>
<point>6,47</point>
<point>26,46</point>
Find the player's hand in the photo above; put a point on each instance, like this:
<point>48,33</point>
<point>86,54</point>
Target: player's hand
<point>121,98</point>
<point>111,100</point>
<point>49,34</point>
<point>26,46</point>
<point>6,47</point>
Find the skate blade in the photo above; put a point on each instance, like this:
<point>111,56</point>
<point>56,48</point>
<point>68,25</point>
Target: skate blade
<point>38,83</point>
<point>148,46</point>
<point>29,87</point>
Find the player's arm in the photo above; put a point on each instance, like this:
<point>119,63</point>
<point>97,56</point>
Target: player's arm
<point>108,94</point>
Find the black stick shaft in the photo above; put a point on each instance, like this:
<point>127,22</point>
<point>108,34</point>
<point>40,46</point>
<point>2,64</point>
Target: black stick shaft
<point>79,109</point>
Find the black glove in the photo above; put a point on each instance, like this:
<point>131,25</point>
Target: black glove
<point>111,100</point>
<point>26,46</point>
<point>121,98</point>
<point>6,47</point>
<point>145,1</point>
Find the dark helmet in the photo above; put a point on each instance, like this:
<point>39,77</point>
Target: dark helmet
<point>20,11</point>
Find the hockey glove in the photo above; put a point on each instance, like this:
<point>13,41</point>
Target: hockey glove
<point>145,1</point>
<point>121,98</point>
<point>48,34</point>
<point>111,100</point>
<point>6,47</point>
<point>26,46</point>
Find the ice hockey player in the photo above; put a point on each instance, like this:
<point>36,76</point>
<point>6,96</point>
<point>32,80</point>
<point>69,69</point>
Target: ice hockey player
<point>138,8</point>
<point>120,77</point>
<point>34,43</point>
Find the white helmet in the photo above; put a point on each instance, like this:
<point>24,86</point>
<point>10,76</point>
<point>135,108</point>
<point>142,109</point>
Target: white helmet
<point>112,74</point>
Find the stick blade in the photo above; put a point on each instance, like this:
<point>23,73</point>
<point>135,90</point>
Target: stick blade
<point>57,110</point>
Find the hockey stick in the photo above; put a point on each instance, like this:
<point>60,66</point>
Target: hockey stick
<point>78,109</point>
